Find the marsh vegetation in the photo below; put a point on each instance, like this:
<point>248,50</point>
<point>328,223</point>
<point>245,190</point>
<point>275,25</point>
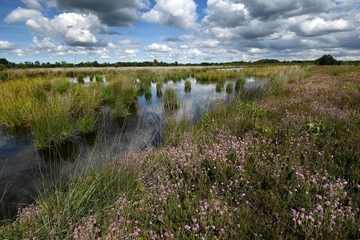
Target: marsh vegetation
<point>280,161</point>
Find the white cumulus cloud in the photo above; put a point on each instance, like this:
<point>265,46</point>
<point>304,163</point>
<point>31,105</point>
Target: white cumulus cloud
<point>73,28</point>
<point>6,45</point>
<point>44,44</point>
<point>224,13</point>
<point>180,14</point>
<point>33,4</point>
<point>319,26</point>
<point>158,48</point>
<point>22,15</point>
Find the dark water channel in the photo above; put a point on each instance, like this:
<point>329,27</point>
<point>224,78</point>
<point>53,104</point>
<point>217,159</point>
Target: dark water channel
<point>24,170</point>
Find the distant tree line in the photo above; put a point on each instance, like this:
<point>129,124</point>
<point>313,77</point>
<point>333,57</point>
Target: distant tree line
<point>324,60</point>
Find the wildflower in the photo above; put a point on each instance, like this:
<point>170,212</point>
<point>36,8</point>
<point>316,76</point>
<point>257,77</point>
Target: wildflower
<point>319,208</point>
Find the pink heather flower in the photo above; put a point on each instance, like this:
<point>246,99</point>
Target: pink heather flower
<point>319,208</point>
<point>187,227</point>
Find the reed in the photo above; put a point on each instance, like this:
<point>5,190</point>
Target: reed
<point>119,109</point>
<point>98,78</point>
<point>80,78</point>
<point>54,123</point>
<point>159,91</point>
<point>187,87</point>
<point>239,83</point>
<point>219,87</point>
<point>171,99</point>
<point>15,104</point>
<point>230,88</point>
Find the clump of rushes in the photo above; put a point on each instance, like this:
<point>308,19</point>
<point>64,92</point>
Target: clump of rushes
<point>229,87</point>
<point>239,84</point>
<point>85,105</point>
<point>111,91</point>
<point>159,91</point>
<point>119,97</point>
<point>98,78</point>
<point>80,78</point>
<point>60,87</point>
<point>219,87</point>
<point>187,86</point>
<point>128,96</point>
<point>15,104</point>
<point>119,109</point>
<point>171,99</point>
<point>39,95</point>
<point>53,124</point>
<point>147,91</point>
<point>86,123</point>
<point>123,103</point>
<point>144,88</point>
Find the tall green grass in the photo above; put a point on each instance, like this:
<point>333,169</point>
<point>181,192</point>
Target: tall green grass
<point>171,99</point>
<point>55,110</point>
<point>187,87</point>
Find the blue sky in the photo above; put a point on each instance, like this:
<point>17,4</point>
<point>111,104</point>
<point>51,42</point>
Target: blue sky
<point>186,31</point>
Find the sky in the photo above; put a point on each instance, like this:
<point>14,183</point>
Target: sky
<point>185,31</point>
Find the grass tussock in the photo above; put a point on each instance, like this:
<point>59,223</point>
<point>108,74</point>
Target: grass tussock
<point>281,166</point>
<point>171,99</point>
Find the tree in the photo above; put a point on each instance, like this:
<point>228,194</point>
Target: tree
<point>3,61</point>
<point>326,60</point>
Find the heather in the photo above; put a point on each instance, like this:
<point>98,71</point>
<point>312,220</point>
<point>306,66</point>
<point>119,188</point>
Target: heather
<point>279,163</point>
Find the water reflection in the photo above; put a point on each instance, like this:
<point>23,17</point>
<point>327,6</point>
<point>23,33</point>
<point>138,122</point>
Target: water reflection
<point>25,170</point>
